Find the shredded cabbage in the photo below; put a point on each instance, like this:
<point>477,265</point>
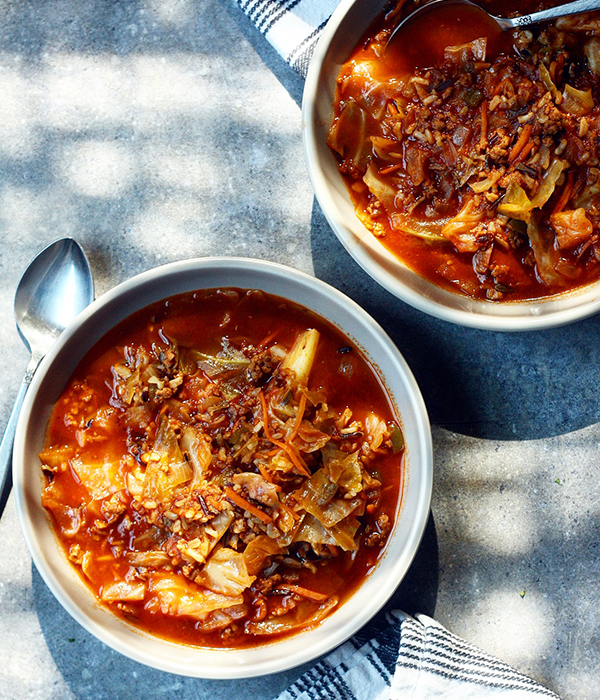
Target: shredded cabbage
<point>302,616</point>
<point>347,135</point>
<point>379,188</point>
<point>225,572</point>
<point>301,355</point>
<point>166,467</point>
<point>101,478</point>
<point>459,230</point>
<point>344,470</point>
<point>544,253</point>
<point>517,205</point>
<point>151,558</point>
<point>427,230</point>
<point>178,597</point>
<point>124,591</point>
<point>196,446</point>
<point>572,227</point>
<point>577,102</point>
<point>258,551</point>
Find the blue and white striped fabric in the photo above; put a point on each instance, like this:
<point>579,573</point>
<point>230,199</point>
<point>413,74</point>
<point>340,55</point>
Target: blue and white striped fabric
<point>412,659</point>
<point>292,27</point>
<point>397,657</point>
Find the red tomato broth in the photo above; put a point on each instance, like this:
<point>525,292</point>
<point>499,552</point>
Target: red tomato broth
<point>498,261</point>
<point>201,320</point>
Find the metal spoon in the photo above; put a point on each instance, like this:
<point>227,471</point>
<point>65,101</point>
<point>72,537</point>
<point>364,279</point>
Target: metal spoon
<point>445,22</point>
<point>54,288</point>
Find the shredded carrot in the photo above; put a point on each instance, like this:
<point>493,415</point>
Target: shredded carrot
<point>288,510</point>
<point>267,339</point>
<point>525,152</point>
<point>284,446</point>
<point>246,505</point>
<point>521,141</point>
<point>484,124</point>
<point>565,195</point>
<point>560,62</point>
<point>263,403</point>
<point>299,416</point>
<point>296,461</point>
<point>265,474</point>
<point>390,169</point>
<point>304,592</point>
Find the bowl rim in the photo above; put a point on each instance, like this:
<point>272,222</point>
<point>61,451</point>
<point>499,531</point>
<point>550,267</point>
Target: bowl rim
<point>211,663</point>
<point>529,315</point>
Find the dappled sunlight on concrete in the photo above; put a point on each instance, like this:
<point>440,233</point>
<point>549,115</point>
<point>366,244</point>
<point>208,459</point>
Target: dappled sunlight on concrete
<point>21,212</point>
<point>79,92</point>
<point>513,529</point>
<point>173,220</point>
<point>518,541</point>
<point>18,138</point>
<point>171,12</point>
<point>178,168</point>
<point>525,619</point>
<point>97,168</point>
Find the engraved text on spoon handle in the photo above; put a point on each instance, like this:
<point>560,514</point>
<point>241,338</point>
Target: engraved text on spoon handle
<point>571,8</point>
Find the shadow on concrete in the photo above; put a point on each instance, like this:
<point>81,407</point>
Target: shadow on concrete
<point>288,77</point>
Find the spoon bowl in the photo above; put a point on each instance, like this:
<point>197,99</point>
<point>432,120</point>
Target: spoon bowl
<point>419,40</point>
<point>56,286</point>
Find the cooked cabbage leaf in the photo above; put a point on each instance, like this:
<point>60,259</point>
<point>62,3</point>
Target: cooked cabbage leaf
<point>178,597</point>
<point>225,572</point>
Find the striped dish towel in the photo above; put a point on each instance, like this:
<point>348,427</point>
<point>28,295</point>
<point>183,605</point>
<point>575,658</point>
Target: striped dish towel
<point>397,657</point>
<point>292,27</point>
<point>429,663</point>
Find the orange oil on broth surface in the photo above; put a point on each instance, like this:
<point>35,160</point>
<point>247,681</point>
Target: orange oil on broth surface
<point>106,445</point>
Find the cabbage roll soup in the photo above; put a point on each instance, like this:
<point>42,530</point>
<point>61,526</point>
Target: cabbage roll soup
<point>480,171</point>
<point>223,468</point>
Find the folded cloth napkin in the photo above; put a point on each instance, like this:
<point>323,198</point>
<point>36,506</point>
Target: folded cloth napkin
<point>292,27</point>
<point>429,663</point>
<point>398,657</point>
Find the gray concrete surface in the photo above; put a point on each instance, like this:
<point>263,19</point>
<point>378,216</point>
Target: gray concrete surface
<point>155,130</point>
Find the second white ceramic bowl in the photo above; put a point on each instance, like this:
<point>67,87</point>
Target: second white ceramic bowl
<point>52,376</point>
<point>340,36</point>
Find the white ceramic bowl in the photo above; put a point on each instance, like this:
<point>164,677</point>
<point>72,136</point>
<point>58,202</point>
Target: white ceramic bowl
<point>53,375</point>
<point>341,34</point>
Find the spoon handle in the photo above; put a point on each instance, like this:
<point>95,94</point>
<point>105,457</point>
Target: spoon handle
<point>6,446</point>
<point>571,8</point>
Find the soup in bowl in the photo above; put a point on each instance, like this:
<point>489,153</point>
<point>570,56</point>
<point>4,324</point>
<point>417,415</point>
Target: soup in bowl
<point>472,176</point>
<point>217,480</point>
